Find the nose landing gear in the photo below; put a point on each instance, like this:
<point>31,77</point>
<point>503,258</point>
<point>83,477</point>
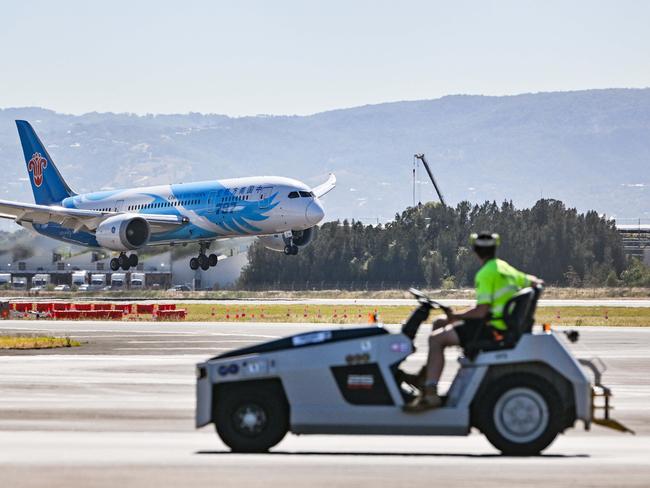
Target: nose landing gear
<point>123,261</point>
<point>202,261</point>
<point>291,250</point>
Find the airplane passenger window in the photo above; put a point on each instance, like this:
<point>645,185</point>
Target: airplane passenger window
<point>305,194</point>
<point>293,194</point>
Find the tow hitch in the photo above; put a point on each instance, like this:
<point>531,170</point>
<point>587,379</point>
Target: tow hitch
<point>598,392</point>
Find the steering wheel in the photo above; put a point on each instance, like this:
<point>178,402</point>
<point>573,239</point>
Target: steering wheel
<point>425,300</point>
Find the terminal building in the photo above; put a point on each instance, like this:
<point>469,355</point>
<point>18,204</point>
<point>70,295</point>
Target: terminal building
<point>636,240</point>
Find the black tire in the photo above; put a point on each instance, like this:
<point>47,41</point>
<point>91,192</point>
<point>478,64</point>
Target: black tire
<point>287,250</point>
<point>213,259</point>
<point>114,264</point>
<point>124,262</point>
<point>268,421</point>
<point>194,264</point>
<point>294,250</point>
<point>133,260</point>
<point>520,414</point>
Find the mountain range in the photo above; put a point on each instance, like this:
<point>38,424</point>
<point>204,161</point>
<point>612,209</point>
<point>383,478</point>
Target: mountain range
<point>589,148</point>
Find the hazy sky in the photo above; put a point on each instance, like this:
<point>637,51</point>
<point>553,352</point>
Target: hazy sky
<point>299,57</point>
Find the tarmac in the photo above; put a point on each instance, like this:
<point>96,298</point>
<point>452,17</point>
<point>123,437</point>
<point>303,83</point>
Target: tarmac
<point>118,411</point>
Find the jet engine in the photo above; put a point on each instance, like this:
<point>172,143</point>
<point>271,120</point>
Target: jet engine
<point>276,242</point>
<point>124,232</point>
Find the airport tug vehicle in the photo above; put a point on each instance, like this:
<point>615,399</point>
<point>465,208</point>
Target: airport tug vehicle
<point>520,392</point>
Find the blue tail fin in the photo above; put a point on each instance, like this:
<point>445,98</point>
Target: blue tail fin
<point>47,183</point>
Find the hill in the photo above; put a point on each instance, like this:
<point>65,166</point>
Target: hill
<point>589,149</point>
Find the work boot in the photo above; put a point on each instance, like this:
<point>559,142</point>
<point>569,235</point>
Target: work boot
<point>427,400</point>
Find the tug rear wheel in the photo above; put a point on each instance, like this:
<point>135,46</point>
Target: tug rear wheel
<point>520,414</point>
<point>251,418</point>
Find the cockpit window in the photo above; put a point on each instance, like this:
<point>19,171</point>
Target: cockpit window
<point>306,194</point>
<point>293,194</point>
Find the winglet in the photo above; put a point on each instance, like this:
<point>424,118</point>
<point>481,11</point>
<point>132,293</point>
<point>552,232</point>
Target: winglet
<point>326,187</point>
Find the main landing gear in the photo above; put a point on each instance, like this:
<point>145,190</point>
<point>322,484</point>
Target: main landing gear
<point>123,261</point>
<point>202,261</point>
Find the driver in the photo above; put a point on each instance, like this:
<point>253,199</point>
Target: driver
<point>496,282</point>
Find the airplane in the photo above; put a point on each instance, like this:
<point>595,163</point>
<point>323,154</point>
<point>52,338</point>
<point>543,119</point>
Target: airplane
<point>281,212</point>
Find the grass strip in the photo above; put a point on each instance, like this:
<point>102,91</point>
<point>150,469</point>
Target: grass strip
<point>35,342</point>
<point>570,316</point>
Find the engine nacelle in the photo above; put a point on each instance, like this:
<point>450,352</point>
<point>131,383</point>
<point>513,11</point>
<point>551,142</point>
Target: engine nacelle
<point>276,241</point>
<point>124,232</point>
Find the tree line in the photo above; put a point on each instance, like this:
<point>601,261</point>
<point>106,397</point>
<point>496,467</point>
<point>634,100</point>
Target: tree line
<point>429,245</point>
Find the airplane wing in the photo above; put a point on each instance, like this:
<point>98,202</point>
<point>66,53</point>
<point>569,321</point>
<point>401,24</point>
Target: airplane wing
<point>326,187</point>
<point>78,219</point>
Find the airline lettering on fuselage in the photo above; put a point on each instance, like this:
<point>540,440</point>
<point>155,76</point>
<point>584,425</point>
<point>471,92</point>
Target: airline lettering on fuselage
<point>36,166</point>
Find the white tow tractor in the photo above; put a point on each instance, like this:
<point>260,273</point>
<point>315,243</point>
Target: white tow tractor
<point>521,392</point>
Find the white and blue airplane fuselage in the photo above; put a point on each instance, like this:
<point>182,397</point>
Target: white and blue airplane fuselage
<point>281,211</point>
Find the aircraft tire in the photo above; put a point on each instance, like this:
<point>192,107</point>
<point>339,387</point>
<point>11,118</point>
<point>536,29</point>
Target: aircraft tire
<point>194,264</point>
<point>114,264</point>
<point>133,260</point>
<point>294,250</point>
<point>213,259</point>
<point>287,250</point>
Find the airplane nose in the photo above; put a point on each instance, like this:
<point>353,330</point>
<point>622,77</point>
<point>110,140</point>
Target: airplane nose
<point>314,213</point>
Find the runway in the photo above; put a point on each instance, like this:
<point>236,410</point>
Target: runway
<point>119,411</point>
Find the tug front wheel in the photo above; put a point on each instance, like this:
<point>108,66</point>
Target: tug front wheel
<point>251,418</point>
<point>520,414</point>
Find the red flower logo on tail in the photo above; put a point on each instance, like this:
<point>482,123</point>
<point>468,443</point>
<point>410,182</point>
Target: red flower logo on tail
<point>36,166</point>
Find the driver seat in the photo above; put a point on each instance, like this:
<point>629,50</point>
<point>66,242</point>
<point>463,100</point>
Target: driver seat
<point>519,316</point>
